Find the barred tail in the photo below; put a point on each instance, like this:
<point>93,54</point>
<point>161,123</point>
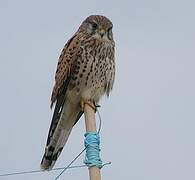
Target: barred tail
<point>59,132</point>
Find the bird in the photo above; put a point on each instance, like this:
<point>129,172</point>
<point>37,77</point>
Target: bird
<point>85,72</point>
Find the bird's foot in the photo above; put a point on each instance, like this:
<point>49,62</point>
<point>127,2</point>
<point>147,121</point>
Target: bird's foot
<point>89,103</point>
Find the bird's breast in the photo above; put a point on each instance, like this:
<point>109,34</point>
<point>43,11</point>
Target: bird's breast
<point>92,71</point>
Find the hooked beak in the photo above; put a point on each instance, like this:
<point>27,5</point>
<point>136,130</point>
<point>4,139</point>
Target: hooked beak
<point>101,31</point>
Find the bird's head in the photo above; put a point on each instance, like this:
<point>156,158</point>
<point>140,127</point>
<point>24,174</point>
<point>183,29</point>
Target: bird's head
<point>98,26</point>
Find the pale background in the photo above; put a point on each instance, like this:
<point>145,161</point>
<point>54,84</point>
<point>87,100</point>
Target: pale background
<point>149,120</point>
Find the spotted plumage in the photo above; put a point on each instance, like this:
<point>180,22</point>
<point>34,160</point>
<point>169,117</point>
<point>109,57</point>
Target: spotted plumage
<point>85,72</point>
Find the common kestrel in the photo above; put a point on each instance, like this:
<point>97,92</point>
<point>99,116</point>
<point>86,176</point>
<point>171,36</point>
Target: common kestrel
<point>85,72</point>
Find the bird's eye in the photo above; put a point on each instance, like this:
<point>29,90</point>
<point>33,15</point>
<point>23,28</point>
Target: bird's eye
<point>110,29</point>
<point>94,26</point>
<point>110,33</point>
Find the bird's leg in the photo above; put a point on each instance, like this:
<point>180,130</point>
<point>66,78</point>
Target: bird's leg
<point>89,103</point>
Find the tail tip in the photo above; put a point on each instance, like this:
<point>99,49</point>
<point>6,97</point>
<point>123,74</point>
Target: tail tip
<point>46,165</point>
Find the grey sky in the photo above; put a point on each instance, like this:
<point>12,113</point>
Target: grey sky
<point>149,120</point>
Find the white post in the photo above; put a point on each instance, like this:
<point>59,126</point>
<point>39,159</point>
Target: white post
<point>90,124</point>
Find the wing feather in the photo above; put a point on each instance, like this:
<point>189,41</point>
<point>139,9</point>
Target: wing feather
<point>56,137</point>
<point>66,60</point>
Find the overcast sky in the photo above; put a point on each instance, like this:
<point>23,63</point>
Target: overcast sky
<point>148,121</point>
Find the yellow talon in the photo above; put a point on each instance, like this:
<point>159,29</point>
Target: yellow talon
<point>82,104</point>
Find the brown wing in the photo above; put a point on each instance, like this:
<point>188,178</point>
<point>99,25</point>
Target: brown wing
<point>67,58</point>
<point>66,61</point>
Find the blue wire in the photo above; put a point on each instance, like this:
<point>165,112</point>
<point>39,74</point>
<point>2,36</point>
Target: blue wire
<point>92,145</point>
